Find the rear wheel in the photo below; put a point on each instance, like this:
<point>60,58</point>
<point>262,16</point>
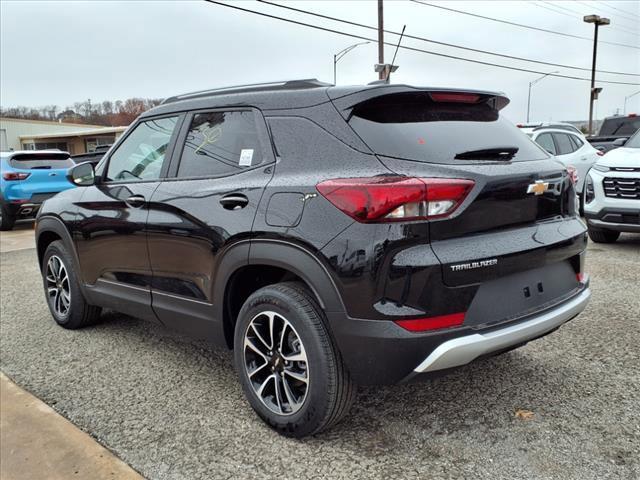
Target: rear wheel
<point>64,297</point>
<point>603,236</point>
<point>7,220</point>
<point>290,370</point>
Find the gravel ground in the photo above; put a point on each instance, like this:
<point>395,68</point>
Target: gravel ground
<point>172,408</point>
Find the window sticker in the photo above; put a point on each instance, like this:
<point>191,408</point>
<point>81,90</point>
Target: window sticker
<point>246,157</point>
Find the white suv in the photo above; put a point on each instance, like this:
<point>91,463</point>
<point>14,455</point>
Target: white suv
<point>568,145</point>
<point>612,193</point>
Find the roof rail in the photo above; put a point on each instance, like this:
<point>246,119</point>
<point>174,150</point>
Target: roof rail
<point>254,87</point>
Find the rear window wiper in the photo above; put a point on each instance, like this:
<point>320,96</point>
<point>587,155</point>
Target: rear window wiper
<point>496,153</point>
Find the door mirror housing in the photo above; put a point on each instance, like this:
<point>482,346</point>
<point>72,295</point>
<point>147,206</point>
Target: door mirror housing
<point>82,175</point>
<point>619,142</point>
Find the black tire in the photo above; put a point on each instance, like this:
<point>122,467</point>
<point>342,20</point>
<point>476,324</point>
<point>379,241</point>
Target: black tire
<point>6,219</point>
<point>78,312</point>
<point>329,389</point>
<point>603,236</point>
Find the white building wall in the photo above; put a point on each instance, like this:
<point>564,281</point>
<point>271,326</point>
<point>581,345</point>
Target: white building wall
<point>12,128</point>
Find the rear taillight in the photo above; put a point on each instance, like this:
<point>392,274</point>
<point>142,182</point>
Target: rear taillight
<point>599,153</point>
<point>573,174</point>
<point>432,323</point>
<point>12,176</point>
<point>392,198</point>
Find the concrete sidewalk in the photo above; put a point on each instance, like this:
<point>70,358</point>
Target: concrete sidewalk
<point>37,443</point>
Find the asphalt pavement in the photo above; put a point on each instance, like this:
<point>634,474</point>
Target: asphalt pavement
<point>563,407</point>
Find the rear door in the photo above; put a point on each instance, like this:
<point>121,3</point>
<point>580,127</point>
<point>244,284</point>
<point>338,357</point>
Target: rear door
<point>110,233</point>
<point>208,204</point>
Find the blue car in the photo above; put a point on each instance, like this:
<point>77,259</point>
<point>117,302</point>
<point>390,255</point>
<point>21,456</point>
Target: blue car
<point>28,179</point>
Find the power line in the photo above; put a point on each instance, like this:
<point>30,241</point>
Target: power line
<point>413,37</point>
<point>522,25</point>
<point>552,8</point>
<point>405,47</point>
<point>614,8</point>
<point>617,19</point>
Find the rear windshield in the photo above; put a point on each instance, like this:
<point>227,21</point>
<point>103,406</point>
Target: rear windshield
<point>620,126</point>
<point>30,161</point>
<point>414,127</point>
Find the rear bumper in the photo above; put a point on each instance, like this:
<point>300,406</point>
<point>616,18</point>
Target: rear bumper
<point>462,350</point>
<point>380,352</point>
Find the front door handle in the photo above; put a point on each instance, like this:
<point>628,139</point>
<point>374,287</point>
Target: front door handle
<point>234,201</point>
<point>135,201</point>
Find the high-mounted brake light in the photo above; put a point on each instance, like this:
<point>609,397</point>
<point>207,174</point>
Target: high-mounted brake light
<point>573,174</point>
<point>454,97</point>
<point>393,198</point>
<point>11,176</point>
<point>432,323</point>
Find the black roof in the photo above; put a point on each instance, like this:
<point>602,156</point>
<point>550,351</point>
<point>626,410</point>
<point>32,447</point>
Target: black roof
<point>289,94</point>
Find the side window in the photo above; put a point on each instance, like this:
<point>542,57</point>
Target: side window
<point>564,143</point>
<point>141,154</point>
<point>546,142</point>
<point>577,141</point>
<point>220,144</point>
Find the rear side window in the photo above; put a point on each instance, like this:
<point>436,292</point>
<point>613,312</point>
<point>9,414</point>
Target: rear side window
<point>564,144</point>
<point>546,141</point>
<point>412,126</point>
<point>220,144</point>
<point>577,141</point>
<point>45,161</point>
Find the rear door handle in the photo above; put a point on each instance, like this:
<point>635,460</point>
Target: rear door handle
<point>135,201</point>
<point>234,201</point>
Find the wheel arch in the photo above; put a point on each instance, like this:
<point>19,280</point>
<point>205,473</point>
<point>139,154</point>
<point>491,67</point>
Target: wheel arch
<point>269,262</point>
<point>48,230</point>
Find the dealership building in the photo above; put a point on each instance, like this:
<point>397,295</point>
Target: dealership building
<point>75,138</point>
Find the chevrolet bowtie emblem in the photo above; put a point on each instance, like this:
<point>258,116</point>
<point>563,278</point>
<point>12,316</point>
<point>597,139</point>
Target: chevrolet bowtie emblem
<point>538,188</point>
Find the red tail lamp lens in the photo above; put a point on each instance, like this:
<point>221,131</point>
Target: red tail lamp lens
<point>393,198</point>
<point>11,176</point>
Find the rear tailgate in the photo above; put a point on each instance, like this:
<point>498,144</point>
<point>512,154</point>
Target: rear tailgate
<point>519,217</point>
<point>47,174</point>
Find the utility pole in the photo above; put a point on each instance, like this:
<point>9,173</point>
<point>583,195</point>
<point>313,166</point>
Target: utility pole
<point>382,75</point>
<point>593,95</point>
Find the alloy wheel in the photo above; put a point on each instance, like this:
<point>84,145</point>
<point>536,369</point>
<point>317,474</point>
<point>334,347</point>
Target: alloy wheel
<point>58,288</point>
<point>276,363</point>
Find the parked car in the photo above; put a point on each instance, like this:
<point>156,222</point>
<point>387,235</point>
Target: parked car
<point>329,236</point>
<point>557,125</point>
<point>94,156</point>
<point>28,178</point>
<point>615,131</point>
<point>569,147</point>
<point>612,193</point>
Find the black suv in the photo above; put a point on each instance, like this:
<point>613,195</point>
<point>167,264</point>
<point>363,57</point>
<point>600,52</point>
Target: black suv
<point>330,236</point>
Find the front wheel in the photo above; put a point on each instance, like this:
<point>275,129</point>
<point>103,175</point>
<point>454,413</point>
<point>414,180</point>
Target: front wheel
<point>64,297</point>
<point>290,370</point>
<point>603,236</point>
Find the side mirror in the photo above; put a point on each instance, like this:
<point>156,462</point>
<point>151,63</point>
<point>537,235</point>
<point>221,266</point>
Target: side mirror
<point>619,142</point>
<point>82,175</point>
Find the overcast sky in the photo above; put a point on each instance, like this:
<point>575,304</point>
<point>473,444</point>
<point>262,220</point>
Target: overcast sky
<point>63,52</point>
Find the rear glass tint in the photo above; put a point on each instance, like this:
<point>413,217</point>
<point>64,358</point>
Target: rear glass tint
<point>29,161</point>
<point>620,126</point>
<point>414,127</point>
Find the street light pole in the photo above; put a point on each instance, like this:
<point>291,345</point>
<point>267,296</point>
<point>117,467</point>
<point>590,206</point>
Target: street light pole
<point>531,84</point>
<point>338,56</point>
<point>597,21</point>
<point>624,110</point>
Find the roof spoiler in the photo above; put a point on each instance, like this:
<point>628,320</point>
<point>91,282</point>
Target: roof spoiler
<point>497,100</point>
